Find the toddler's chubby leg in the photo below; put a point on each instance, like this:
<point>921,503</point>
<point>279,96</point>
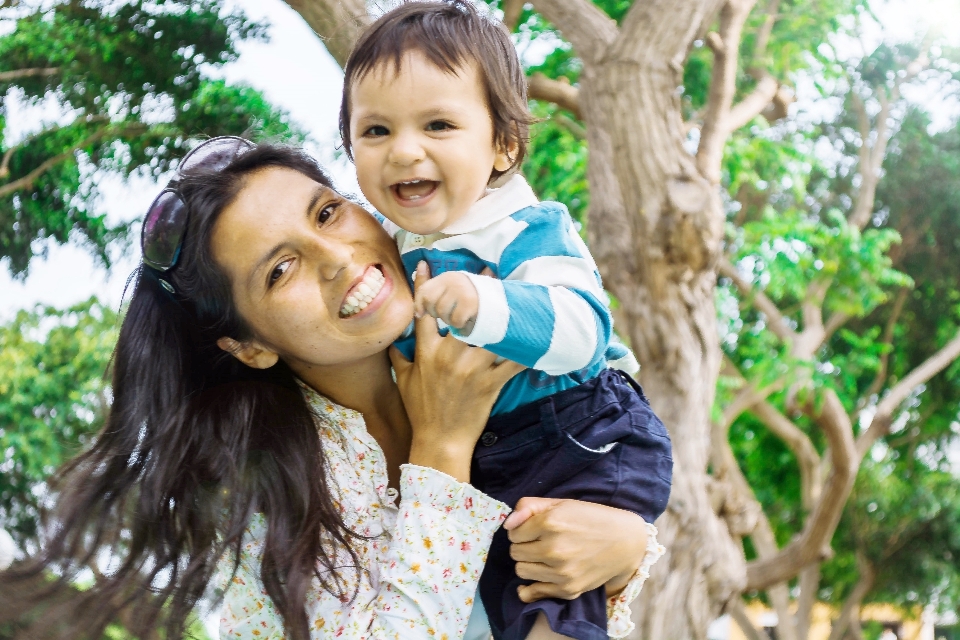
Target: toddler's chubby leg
<point>542,631</point>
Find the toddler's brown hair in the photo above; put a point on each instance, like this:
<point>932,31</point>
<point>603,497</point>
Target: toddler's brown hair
<point>450,33</point>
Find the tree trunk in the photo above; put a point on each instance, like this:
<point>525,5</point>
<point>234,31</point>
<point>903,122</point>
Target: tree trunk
<point>848,622</point>
<point>655,229</point>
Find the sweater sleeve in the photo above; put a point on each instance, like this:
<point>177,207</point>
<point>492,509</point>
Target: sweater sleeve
<point>547,310</point>
<point>619,623</point>
<point>423,589</point>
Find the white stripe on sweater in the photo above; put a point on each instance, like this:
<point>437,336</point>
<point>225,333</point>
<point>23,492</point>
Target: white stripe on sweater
<point>574,340</point>
<point>493,316</point>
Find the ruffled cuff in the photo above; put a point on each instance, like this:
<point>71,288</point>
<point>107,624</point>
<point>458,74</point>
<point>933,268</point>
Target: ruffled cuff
<point>619,624</point>
<point>448,495</point>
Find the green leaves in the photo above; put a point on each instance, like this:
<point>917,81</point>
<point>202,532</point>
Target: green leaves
<point>53,396</point>
<point>132,82</point>
<point>792,250</point>
<point>557,163</point>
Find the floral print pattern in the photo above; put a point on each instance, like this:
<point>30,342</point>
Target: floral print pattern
<point>421,561</point>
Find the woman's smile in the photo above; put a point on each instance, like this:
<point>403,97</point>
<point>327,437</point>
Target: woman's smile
<point>367,294</point>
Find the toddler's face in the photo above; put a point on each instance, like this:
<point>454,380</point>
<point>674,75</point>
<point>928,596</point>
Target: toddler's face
<point>423,142</point>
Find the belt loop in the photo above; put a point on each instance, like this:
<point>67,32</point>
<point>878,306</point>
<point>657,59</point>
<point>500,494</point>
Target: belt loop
<point>549,424</point>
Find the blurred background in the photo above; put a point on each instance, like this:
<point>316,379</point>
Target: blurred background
<point>836,276</point>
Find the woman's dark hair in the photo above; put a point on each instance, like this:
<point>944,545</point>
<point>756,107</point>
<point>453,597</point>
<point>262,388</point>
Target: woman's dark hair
<point>195,444</point>
<point>450,33</point>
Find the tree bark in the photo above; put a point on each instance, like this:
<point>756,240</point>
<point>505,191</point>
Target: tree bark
<point>655,226</point>
<point>337,22</point>
<point>849,618</point>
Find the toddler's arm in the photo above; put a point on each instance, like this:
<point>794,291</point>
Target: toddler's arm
<point>548,311</point>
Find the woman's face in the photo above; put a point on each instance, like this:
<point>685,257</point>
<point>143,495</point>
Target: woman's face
<point>302,260</point>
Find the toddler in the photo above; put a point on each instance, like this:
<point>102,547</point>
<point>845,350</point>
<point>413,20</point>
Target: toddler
<point>434,112</point>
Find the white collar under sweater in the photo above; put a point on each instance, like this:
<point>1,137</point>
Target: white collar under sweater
<point>494,206</point>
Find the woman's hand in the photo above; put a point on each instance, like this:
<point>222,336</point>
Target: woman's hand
<point>569,547</point>
<point>448,391</point>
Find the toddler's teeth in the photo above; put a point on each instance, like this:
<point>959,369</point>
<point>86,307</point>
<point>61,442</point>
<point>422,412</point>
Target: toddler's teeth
<point>364,289</point>
<point>363,304</point>
<point>352,301</point>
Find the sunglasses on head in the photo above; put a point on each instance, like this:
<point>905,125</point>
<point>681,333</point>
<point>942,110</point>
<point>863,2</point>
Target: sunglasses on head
<point>166,219</point>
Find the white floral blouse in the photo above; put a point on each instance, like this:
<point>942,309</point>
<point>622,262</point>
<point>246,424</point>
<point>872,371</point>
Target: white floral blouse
<point>419,569</point>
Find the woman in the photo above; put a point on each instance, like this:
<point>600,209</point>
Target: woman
<point>234,353</point>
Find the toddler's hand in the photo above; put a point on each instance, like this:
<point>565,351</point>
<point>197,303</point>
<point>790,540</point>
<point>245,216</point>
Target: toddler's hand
<point>450,297</point>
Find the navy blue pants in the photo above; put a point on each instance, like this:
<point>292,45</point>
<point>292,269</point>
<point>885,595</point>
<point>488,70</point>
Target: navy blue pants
<point>599,442</point>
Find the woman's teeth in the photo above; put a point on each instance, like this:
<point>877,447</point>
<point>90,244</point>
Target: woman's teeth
<point>363,294</point>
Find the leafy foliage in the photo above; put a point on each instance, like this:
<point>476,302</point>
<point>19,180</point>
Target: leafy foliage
<point>53,395</point>
<point>132,80</point>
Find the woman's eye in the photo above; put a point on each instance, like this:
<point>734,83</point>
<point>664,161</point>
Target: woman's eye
<point>439,125</point>
<point>376,131</point>
<point>278,271</point>
<point>327,212</point>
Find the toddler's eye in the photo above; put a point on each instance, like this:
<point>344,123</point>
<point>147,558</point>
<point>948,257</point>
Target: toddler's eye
<point>376,131</point>
<point>439,125</point>
<point>278,271</point>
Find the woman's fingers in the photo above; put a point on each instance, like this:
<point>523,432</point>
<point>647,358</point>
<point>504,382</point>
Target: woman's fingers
<point>400,363</point>
<point>537,551</point>
<point>502,373</point>
<point>541,590</point>
<point>527,508</point>
<point>425,326</point>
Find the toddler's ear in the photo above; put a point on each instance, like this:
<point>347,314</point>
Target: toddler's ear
<point>506,156</point>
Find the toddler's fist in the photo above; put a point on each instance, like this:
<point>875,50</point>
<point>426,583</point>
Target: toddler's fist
<point>450,297</point>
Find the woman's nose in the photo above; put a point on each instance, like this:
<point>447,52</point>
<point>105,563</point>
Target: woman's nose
<point>406,150</point>
<point>335,256</point>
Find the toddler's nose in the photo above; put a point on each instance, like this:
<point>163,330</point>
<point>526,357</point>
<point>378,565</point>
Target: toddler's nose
<point>406,150</point>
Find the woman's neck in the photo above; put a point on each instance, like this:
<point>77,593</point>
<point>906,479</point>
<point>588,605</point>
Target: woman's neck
<point>363,385</point>
<point>367,386</point>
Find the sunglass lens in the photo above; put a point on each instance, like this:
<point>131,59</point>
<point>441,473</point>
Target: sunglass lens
<point>215,154</point>
<point>163,230</point>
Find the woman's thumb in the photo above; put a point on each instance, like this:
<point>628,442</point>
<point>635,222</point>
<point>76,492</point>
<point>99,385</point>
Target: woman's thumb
<point>399,361</point>
<point>527,508</point>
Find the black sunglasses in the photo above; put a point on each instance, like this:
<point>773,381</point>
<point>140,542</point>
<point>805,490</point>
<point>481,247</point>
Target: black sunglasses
<point>166,219</point>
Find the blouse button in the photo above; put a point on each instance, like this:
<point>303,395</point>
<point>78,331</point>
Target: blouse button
<point>392,493</point>
<point>417,240</point>
<point>488,438</point>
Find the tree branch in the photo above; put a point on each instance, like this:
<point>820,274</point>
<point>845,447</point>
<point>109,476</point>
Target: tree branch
<point>883,417</point>
<point>575,128</point>
<point>752,105</point>
<point>8,154</point>
<point>809,587</point>
<point>871,159</point>
<point>851,606</point>
<point>834,322</point>
<point>739,614</point>
<point>766,29</point>
<point>872,156</point>
<point>814,334</point>
<point>775,319</point>
<point>338,23</point>
<point>812,545</point>
<point>582,23</point>
<point>562,94</point>
<point>5,163</point>
<point>766,545</point>
<point>723,86</point>
<point>27,180</point>
<point>887,340</point>
<point>511,13</point>
<point>799,444</point>
<point>16,74</point>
